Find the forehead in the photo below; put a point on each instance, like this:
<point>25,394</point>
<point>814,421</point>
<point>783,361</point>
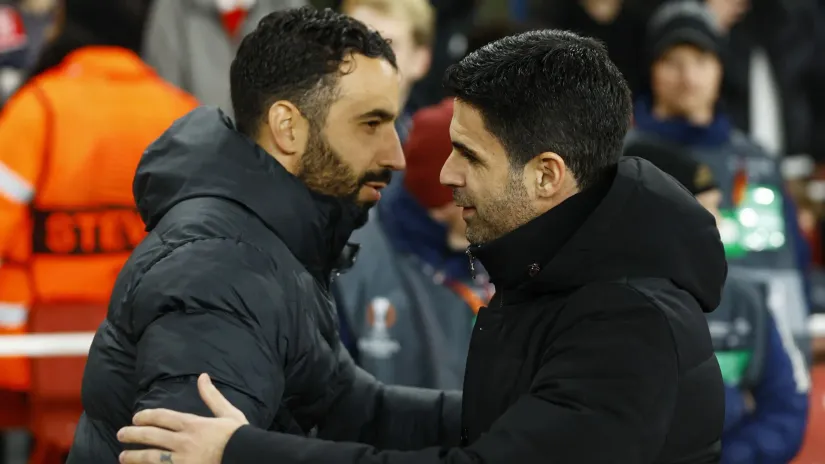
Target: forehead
<point>467,128</point>
<point>368,84</point>
<point>685,51</point>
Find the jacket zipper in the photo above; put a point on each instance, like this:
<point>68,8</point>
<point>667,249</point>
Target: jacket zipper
<point>472,263</point>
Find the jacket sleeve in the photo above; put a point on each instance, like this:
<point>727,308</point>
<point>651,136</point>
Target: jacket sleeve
<point>390,417</point>
<point>774,432</point>
<point>23,140</point>
<point>162,48</point>
<point>604,393</point>
<point>203,308</point>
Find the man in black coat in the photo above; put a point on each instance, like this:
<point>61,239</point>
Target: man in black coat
<point>246,225</point>
<point>595,347</point>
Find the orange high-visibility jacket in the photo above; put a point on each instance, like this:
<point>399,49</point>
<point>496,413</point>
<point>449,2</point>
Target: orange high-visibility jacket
<point>70,141</point>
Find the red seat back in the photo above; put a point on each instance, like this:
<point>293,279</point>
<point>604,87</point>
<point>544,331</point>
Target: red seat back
<point>55,386</point>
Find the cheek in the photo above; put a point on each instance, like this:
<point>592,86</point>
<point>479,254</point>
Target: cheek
<point>354,151</point>
<point>665,83</point>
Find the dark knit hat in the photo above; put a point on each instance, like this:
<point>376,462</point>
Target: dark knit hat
<point>676,162</point>
<point>426,151</point>
<point>683,22</point>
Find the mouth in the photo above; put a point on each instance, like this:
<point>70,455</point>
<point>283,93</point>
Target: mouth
<point>467,211</point>
<point>376,185</point>
<point>372,191</point>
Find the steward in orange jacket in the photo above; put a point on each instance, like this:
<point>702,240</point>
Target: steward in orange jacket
<point>70,141</point>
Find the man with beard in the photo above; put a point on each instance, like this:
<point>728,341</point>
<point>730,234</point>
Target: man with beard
<point>246,226</point>
<point>595,347</point>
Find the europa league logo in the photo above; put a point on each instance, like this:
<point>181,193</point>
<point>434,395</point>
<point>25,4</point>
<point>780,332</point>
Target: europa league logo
<point>381,315</point>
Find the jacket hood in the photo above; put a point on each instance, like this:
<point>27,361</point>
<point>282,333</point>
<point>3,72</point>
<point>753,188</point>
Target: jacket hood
<point>645,226</point>
<point>202,155</point>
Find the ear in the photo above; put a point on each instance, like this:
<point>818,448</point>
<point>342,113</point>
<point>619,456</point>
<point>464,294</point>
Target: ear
<point>422,59</point>
<point>550,174</point>
<point>289,128</point>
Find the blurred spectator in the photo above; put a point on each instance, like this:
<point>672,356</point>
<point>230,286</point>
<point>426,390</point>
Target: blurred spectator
<point>454,20</point>
<point>90,25</point>
<point>410,301</point>
<point>71,138</point>
<point>24,26</point>
<point>774,79</point>
<point>409,26</point>
<point>766,405</point>
<point>759,224</point>
<point>620,24</point>
<point>14,43</point>
<point>191,43</point>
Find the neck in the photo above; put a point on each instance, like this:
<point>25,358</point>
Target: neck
<point>701,117</point>
<point>288,162</point>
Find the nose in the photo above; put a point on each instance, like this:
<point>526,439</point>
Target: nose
<point>451,175</point>
<point>393,156</point>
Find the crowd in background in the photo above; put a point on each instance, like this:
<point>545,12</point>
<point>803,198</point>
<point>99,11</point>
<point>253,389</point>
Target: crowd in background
<point>737,87</point>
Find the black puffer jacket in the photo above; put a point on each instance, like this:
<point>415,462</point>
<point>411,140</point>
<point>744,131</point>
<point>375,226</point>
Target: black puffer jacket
<point>595,348</point>
<point>233,280</point>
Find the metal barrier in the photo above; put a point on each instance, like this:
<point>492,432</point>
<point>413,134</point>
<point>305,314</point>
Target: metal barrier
<point>43,345</point>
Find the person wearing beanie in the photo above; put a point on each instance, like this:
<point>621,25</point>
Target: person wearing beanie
<point>684,108</point>
<point>766,388</point>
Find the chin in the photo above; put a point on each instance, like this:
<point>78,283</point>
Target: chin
<point>367,205</point>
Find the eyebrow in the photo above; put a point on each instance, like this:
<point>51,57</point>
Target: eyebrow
<point>382,115</point>
<point>464,149</point>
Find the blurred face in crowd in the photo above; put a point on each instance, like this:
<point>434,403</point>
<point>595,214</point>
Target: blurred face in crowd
<point>685,82</point>
<point>413,60</point>
<point>493,195</point>
<point>351,151</point>
<point>711,200</point>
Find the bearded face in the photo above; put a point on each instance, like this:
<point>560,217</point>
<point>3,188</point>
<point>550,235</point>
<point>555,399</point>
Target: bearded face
<point>324,170</point>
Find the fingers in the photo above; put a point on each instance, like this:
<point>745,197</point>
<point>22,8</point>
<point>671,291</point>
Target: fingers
<point>150,436</point>
<point>220,406</point>
<point>163,418</point>
<point>146,457</point>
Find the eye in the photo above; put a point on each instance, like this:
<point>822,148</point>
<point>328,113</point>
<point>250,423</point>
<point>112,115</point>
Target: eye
<point>372,125</point>
<point>472,159</point>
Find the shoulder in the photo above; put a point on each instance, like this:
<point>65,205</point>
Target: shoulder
<point>205,274</point>
<point>25,105</point>
<point>616,299</point>
<point>209,218</point>
<point>651,307</point>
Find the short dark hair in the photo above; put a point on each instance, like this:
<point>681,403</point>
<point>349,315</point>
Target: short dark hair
<point>548,90</point>
<point>296,55</point>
